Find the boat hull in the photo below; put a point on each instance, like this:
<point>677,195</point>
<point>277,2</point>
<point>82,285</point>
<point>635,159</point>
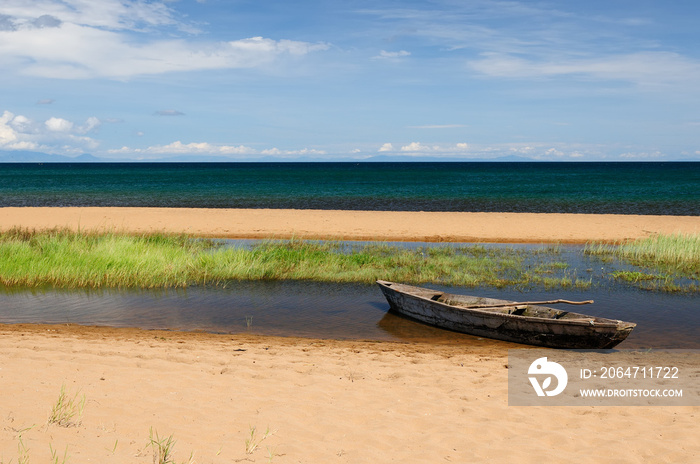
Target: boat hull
<point>577,332</point>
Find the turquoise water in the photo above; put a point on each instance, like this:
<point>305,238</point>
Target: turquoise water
<point>619,188</point>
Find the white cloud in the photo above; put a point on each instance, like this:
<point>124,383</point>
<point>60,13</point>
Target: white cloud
<point>417,147</point>
<point>92,39</point>
<point>195,148</point>
<point>644,68</point>
<point>304,151</point>
<point>386,147</point>
<point>91,124</point>
<point>55,135</point>
<point>414,146</point>
<point>111,14</point>
<point>384,55</point>
<point>22,123</point>
<point>8,134</point>
<point>58,125</point>
<point>206,148</point>
<point>647,156</point>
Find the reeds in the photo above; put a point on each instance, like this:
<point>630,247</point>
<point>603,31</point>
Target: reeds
<point>62,258</point>
<point>676,253</point>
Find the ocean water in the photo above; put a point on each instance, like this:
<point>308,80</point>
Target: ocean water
<point>618,188</point>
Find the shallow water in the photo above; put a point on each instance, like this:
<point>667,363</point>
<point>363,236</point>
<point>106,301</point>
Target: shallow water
<point>337,311</point>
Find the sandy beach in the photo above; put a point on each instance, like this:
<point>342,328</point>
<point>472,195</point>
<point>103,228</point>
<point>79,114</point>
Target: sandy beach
<point>355,225</point>
<point>322,400</point>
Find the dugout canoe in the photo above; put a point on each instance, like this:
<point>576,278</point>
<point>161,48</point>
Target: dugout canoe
<point>520,322</point>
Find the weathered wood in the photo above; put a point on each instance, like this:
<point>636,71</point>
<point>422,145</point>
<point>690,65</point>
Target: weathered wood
<point>527,322</point>
<point>519,303</point>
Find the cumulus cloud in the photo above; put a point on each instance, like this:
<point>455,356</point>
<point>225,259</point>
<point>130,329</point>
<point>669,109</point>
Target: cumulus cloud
<point>7,133</point>
<point>418,147</point>
<point>91,124</point>
<point>386,147</point>
<point>77,39</point>
<point>58,125</point>
<point>18,132</point>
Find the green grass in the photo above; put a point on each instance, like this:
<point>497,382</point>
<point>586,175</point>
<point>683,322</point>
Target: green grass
<point>678,253</point>
<point>163,449</point>
<point>62,258</point>
<point>668,263</point>
<point>68,410</point>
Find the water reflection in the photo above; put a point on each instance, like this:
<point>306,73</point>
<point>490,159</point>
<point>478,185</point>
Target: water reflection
<point>321,310</point>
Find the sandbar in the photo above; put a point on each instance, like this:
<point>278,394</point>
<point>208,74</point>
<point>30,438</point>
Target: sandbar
<point>354,225</point>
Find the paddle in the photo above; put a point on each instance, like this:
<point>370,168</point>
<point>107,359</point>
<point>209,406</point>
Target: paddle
<point>515,303</point>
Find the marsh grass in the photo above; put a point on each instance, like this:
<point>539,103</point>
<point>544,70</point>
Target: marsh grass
<point>62,258</point>
<point>676,253</point>
<point>68,410</point>
<point>669,263</point>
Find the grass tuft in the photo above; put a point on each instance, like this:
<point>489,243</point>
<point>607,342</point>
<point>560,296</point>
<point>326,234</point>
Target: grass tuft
<point>163,449</point>
<point>68,410</point>
<point>253,442</point>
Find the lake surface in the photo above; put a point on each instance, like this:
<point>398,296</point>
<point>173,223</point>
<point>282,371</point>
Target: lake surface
<point>618,188</point>
<point>350,311</point>
<point>332,311</point>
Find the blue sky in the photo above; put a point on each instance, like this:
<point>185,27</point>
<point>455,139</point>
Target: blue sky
<point>550,80</point>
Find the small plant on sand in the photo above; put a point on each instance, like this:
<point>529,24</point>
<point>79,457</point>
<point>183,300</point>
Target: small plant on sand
<point>55,457</point>
<point>271,454</point>
<point>252,443</point>
<point>163,449</point>
<point>22,452</point>
<point>68,410</point>
<point>22,449</point>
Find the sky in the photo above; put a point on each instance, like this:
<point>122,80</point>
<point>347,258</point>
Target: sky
<point>599,80</point>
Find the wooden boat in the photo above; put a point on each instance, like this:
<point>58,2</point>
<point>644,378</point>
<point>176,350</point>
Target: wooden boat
<point>520,322</point>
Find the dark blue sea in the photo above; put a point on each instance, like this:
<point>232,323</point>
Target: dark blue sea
<point>618,188</point>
